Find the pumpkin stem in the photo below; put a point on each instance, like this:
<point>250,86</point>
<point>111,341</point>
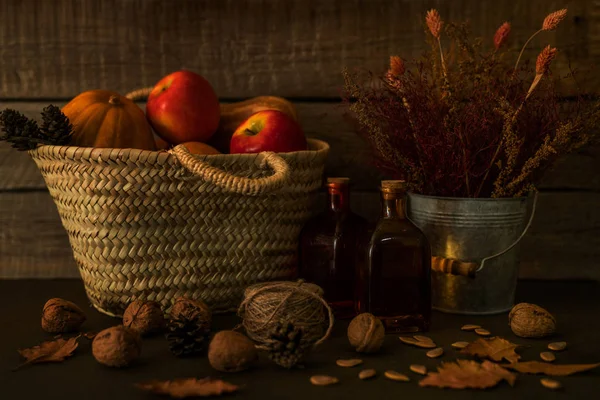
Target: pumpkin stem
<point>114,100</point>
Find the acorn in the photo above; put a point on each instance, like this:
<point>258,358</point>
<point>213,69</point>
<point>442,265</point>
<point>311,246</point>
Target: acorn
<point>531,321</point>
<point>231,351</point>
<point>61,316</point>
<point>144,317</point>
<point>366,333</point>
<point>117,347</point>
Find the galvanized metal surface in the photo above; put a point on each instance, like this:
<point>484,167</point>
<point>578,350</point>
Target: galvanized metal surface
<point>472,230</point>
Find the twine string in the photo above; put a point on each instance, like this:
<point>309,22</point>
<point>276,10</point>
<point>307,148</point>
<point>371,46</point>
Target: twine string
<point>258,313</point>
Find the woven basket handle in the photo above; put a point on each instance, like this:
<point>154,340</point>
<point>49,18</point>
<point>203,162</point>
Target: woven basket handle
<point>222,179</point>
<point>233,183</point>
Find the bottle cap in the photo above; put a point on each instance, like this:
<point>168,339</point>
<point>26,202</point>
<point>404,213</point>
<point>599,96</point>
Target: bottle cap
<point>338,181</point>
<point>397,186</point>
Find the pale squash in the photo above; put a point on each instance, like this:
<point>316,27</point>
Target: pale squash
<point>102,118</point>
<point>234,114</point>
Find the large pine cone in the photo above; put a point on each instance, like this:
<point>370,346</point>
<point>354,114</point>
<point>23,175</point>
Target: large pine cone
<point>187,337</point>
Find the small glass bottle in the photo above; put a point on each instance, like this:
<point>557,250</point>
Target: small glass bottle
<point>330,245</point>
<point>395,282</point>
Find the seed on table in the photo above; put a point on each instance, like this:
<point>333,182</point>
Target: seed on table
<point>422,338</point>
<point>435,353</point>
<point>426,345</point>
<point>557,346</point>
<point>408,340</point>
<point>418,369</point>
<point>460,345</point>
<point>415,342</point>
<point>470,327</point>
<point>323,380</point>
<point>396,376</point>
<point>482,332</point>
<point>550,383</point>
<point>353,362</point>
<point>367,374</point>
<point>547,356</point>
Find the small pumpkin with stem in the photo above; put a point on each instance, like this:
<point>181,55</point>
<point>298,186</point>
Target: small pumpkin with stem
<point>103,118</point>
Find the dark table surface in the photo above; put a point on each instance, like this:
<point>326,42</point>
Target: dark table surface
<point>576,305</point>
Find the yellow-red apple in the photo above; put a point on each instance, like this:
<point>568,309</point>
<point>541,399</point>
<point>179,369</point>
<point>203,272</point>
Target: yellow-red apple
<point>268,130</point>
<point>183,107</point>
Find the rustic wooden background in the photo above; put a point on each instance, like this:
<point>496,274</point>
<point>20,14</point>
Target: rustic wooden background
<point>51,50</point>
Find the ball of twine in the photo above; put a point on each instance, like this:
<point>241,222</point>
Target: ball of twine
<point>266,304</point>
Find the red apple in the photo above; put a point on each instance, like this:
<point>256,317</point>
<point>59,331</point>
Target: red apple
<point>268,130</point>
<point>183,107</point>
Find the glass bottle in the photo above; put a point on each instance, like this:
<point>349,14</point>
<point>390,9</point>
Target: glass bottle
<point>395,282</point>
<point>329,247</point>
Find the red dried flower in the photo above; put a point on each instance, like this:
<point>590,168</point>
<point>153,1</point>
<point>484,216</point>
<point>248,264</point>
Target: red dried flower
<point>501,35</point>
<point>434,22</point>
<point>544,59</point>
<point>396,66</point>
<point>553,19</point>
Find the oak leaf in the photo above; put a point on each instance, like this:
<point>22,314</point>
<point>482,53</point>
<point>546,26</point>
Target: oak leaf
<point>189,387</point>
<point>538,367</point>
<point>495,349</point>
<point>53,351</point>
<point>465,374</point>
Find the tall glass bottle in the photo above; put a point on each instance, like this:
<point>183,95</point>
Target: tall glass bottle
<point>395,282</point>
<point>330,244</point>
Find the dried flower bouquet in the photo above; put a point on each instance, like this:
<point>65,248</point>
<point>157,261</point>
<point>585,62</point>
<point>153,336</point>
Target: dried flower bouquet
<point>467,121</point>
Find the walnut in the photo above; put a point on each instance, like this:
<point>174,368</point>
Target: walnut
<point>192,310</point>
<point>531,321</point>
<point>231,351</point>
<point>117,346</point>
<point>61,316</point>
<point>366,333</point>
<point>144,317</point>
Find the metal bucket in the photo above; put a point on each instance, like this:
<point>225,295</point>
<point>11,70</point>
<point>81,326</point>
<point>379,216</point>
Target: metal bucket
<point>483,233</point>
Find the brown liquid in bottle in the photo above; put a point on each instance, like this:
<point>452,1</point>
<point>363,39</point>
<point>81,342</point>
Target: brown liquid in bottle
<point>395,283</point>
<point>329,249</point>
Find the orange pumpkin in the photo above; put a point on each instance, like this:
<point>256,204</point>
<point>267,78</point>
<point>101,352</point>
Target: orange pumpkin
<point>102,118</point>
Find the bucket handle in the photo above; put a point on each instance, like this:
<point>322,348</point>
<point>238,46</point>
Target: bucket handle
<point>470,269</point>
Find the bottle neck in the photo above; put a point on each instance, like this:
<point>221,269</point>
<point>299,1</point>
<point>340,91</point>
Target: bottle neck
<point>339,198</point>
<point>393,205</point>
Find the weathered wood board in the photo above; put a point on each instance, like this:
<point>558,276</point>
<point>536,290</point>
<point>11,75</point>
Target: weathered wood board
<point>51,50</point>
<point>294,48</point>
<point>326,121</point>
<point>563,243</point>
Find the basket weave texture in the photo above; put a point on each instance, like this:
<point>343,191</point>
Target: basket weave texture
<point>159,225</point>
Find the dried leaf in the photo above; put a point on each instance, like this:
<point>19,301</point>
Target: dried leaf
<point>54,351</point>
<point>465,374</point>
<point>538,367</point>
<point>189,387</point>
<point>495,349</point>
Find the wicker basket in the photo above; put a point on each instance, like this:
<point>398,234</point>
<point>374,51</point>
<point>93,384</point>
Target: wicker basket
<point>158,225</point>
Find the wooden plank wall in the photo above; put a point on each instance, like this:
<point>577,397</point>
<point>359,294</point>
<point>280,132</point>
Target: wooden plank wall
<point>51,50</point>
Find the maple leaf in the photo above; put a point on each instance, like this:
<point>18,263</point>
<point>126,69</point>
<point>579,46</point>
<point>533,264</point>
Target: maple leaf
<point>538,367</point>
<point>189,387</point>
<point>495,349</point>
<point>54,351</point>
<point>465,374</point>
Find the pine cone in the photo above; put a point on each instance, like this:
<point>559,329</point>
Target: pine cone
<point>187,337</point>
<point>286,348</point>
<point>56,127</point>
<point>20,131</point>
